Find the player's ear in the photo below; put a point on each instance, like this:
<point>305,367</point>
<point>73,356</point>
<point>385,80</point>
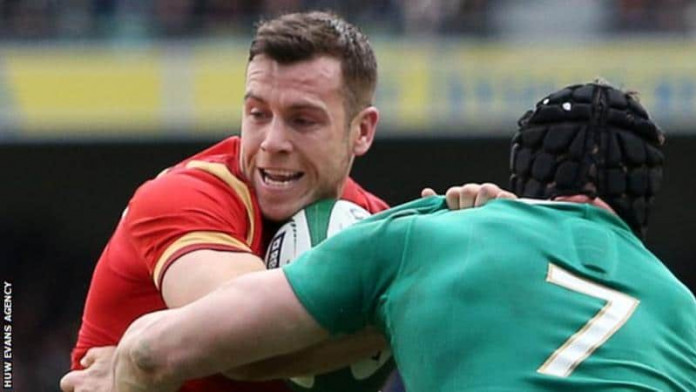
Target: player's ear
<point>362,129</point>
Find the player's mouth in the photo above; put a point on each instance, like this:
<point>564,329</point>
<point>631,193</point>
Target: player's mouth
<point>277,178</point>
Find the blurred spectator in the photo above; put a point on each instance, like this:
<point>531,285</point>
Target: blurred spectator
<point>228,16</point>
<point>276,6</point>
<point>176,17</point>
<point>444,16</point>
<point>30,19</point>
<point>666,16</point>
<point>544,20</point>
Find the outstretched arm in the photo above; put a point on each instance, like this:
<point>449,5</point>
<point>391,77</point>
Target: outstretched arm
<point>251,318</point>
<point>189,278</point>
<point>327,356</point>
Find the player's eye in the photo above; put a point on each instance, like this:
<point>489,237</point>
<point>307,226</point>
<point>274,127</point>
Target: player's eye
<point>258,114</point>
<point>304,122</point>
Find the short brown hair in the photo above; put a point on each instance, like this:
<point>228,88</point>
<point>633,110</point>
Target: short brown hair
<point>302,36</point>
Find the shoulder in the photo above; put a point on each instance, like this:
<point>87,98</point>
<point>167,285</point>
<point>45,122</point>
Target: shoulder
<point>397,220</point>
<point>523,208</point>
<point>225,150</point>
<point>415,208</point>
<point>194,183</point>
<point>428,216</point>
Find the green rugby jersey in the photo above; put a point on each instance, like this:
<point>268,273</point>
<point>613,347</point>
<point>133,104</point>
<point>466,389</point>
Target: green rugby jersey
<point>512,296</point>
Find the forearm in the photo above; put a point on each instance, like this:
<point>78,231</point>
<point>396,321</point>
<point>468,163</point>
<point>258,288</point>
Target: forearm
<point>321,358</point>
<point>129,376</point>
<point>135,368</point>
<point>249,319</point>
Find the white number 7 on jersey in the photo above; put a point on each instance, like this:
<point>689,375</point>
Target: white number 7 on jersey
<point>594,333</point>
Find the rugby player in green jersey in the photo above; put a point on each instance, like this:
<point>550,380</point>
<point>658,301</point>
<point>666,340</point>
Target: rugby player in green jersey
<point>552,292</point>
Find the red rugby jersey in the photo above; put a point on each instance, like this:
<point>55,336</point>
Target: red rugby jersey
<point>203,202</point>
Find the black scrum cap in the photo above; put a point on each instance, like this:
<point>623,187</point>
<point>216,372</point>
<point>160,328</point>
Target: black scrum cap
<point>590,139</point>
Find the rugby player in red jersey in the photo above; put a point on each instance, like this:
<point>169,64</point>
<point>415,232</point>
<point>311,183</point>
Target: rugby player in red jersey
<point>307,114</point>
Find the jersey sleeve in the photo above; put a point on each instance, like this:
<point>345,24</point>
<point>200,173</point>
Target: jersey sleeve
<point>342,280</point>
<point>185,211</point>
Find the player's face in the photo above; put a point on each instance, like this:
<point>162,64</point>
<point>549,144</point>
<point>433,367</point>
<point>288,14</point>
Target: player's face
<point>297,144</point>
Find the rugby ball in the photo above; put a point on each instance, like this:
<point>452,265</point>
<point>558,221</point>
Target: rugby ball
<point>310,226</point>
<point>301,232</point>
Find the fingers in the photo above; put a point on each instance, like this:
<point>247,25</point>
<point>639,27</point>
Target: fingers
<point>91,356</point>
<point>96,373</point>
<point>471,195</point>
<point>67,383</point>
<point>475,195</point>
<point>488,192</point>
<point>506,195</point>
<point>88,359</point>
<point>461,197</point>
<point>427,192</point>
<point>96,354</point>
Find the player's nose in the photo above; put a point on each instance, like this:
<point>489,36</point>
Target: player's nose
<point>276,137</point>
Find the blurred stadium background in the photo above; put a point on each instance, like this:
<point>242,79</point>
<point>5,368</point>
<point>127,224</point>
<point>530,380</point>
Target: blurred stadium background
<point>98,95</point>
